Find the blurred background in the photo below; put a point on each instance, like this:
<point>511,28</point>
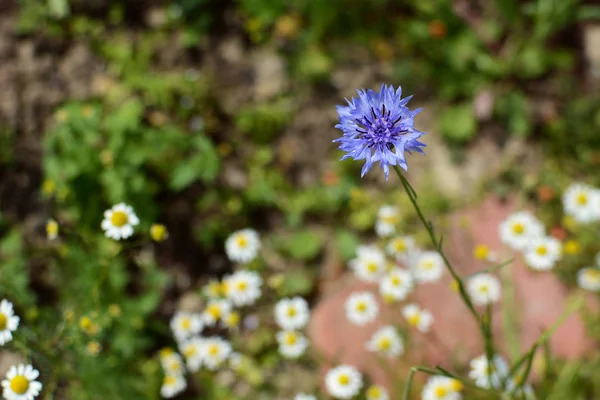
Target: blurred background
<point>210,116</point>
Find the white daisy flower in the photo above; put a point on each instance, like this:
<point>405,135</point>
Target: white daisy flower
<point>243,287</point>
<point>343,382</point>
<point>369,264</point>
<point>215,352</point>
<point>173,364</point>
<point>543,253</point>
<point>484,289</point>
<point>581,202</point>
<point>442,388</point>
<point>192,351</point>
<point>292,313</point>
<point>9,322</point>
<point>386,341</point>
<point>388,218</point>
<point>417,317</point>
<point>396,285</point>
<point>486,375</point>
<point>400,246</point>
<point>215,310</point>
<point>304,396</point>
<point>589,279</point>
<point>292,344</point>
<point>376,392</point>
<point>185,325</point>
<point>243,246</point>
<point>172,385</point>
<point>429,267</point>
<point>20,383</point>
<point>519,228</point>
<point>119,221</point>
<point>361,308</point>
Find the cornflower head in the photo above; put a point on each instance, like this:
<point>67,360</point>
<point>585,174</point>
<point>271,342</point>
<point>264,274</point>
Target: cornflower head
<point>378,127</point>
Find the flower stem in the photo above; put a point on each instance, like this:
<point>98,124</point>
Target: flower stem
<point>437,244</point>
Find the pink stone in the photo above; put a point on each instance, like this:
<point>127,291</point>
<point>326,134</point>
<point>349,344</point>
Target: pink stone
<point>455,339</point>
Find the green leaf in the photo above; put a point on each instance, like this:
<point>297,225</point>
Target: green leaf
<point>303,245</point>
<point>346,243</point>
<point>458,123</point>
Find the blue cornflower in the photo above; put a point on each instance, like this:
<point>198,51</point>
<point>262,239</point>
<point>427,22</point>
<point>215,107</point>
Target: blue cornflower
<point>379,127</point>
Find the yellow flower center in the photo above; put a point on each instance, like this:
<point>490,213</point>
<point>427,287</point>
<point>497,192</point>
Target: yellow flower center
<point>214,289</point>
<point>290,338</point>
<point>190,351</point>
<point>19,384</point>
<point>166,351</point>
<point>414,319</point>
<point>158,232</point>
<point>582,199</point>
<point>427,265</point>
<point>242,286</point>
<point>372,267</point>
<point>592,274</point>
<point>233,319</point>
<point>119,218</point>
<point>385,343</point>
<point>374,392</point>
<point>51,229</point>
<point>343,379</point>
<point>541,250</point>
<point>3,322</point>
<point>225,286</point>
<point>169,380</point>
<point>213,349</point>
<point>214,311</point>
<point>399,245</point>
<point>572,247</point>
<point>396,281</point>
<point>242,242</point>
<point>291,312</point>
<point>484,288</point>
<point>361,306</point>
<point>175,366</point>
<point>186,323</point>
<point>456,385</point>
<point>441,391</point>
<point>390,219</point>
<point>481,252</point>
<point>518,228</point>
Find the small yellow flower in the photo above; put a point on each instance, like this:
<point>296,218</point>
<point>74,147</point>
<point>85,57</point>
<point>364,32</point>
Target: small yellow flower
<point>232,320</point>
<point>572,247</point>
<point>48,187</point>
<point>61,115</point>
<point>93,348</point>
<point>569,223</point>
<point>88,326</point>
<point>165,352</point>
<point>456,385</point>
<point>114,310</point>
<point>159,232</point>
<point>481,252</point>
<point>51,229</point>
<point>276,281</point>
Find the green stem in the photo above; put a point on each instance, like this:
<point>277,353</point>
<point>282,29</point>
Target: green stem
<point>429,226</point>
